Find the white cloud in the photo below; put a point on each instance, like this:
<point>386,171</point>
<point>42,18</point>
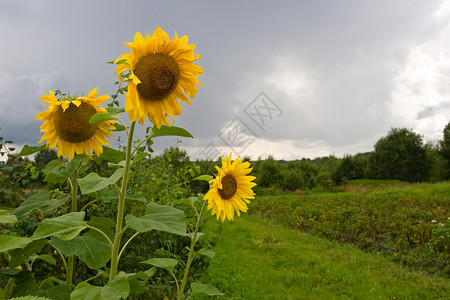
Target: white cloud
<point>421,97</point>
<point>290,77</point>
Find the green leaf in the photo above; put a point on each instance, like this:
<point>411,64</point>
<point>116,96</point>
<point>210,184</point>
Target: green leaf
<point>104,224</point>
<point>100,117</point>
<point>28,288</point>
<point>47,258</point>
<point>205,289</point>
<point>162,263</point>
<point>30,298</point>
<point>65,227</point>
<point>159,217</point>
<point>20,256</point>
<point>207,178</point>
<point>17,273</point>
<point>135,197</point>
<point>112,114</point>
<point>91,248</point>
<point>108,194</point>
<point>6,218</point>
<point>169,131</point>
<point>59,292</point>
<point>138,281</point>
<point>118,127</point>
<point>115,111</point>
<point>206,252</point>
<point>191,235</point>
<point>27,150</point>
<point>8,242</point>
<point>57,171</point>
<point>38,201</point>
<point>112,155</point>
<point>139,157</point>
<point>188,201</point>
<point>143,275</point>
<point>93,182</point>
<point>113,290</point>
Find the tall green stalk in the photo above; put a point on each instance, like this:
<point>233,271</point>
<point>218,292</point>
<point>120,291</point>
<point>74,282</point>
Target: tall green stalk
<point>120,209</point>
<point>191,250</point>
<point>74,196</point>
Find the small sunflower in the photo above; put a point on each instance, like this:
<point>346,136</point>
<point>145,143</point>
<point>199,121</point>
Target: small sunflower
<point>231,189</point>
<point>66,124</point>
<point>161,72</point>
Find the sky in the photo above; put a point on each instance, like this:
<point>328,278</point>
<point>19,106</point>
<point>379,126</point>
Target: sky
<point>292,79</point>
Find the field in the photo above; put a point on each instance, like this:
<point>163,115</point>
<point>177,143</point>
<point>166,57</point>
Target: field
<point>360,244</point>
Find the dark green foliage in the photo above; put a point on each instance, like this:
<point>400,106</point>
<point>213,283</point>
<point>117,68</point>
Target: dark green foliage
<point>444,150</point>
<point>400,155</point>
<point>269,173</point>
<point>43,157</point>
<point>351,168</point>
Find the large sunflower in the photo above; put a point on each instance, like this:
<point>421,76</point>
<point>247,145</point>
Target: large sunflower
<point>161,72</point>
<point>66,124</point>
<point>231,189</point>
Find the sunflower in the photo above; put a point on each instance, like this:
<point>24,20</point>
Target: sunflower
<point>231,189</point>
<point>161,72</point>
<point>66,124</point>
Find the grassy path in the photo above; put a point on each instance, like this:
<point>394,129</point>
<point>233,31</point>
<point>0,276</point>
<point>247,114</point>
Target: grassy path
<point>256,259</point>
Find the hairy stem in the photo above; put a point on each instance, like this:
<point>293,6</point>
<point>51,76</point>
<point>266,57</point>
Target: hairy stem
<point>70,260</point>
<point>191,250</point>
<point>121,208</point>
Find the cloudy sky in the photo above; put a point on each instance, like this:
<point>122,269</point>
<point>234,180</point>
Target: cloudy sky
<point>289,78</point>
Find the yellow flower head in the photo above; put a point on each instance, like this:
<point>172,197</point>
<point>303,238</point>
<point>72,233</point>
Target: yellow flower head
<point>231,189</point>
<point>161,72</point>
<point>66,124</point>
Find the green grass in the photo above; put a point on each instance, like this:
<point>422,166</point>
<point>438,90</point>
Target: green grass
<point>257,259</point>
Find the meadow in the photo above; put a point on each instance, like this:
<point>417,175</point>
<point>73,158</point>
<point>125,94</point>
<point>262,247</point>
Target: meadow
<point>373,240</point>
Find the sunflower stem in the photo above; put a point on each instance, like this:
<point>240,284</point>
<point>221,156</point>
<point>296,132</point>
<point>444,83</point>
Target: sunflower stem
<point>191,250</point>
<point>121,208</point>
<point>71,259</point>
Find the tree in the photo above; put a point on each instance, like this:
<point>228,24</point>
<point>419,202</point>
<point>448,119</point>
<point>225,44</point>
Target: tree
<point>401,155</point>
<point>269,173</point>
<point>43,157</point>
<point>350,168</point>
<point>444,150</point>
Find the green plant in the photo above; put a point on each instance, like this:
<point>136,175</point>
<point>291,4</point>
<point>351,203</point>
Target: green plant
<point>395,221</point>
<point>103,203</point>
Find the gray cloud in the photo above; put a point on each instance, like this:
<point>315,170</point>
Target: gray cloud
<point>331,67</point>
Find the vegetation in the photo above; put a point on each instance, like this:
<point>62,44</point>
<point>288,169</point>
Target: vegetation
<point>258,259</point>
<point>400,155</point>
<point>410,224</point>
<point>394,222</point>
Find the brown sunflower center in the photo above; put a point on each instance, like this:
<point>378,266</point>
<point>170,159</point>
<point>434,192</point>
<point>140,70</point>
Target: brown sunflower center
<point>229,186</point>
<point>159,75</point>
<point>73,125</point>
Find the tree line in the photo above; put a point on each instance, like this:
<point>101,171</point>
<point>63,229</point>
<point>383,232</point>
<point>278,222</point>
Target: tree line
<point>400,155</point>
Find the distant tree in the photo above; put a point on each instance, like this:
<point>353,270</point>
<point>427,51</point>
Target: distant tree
<point>438,164</point>
<point>401,155</point>
<point>176,156</point>
<point>327,167</point>
<point>444,150</point>
<point>43,157</point>
<point>350,168</point>
<point>269,173</point>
